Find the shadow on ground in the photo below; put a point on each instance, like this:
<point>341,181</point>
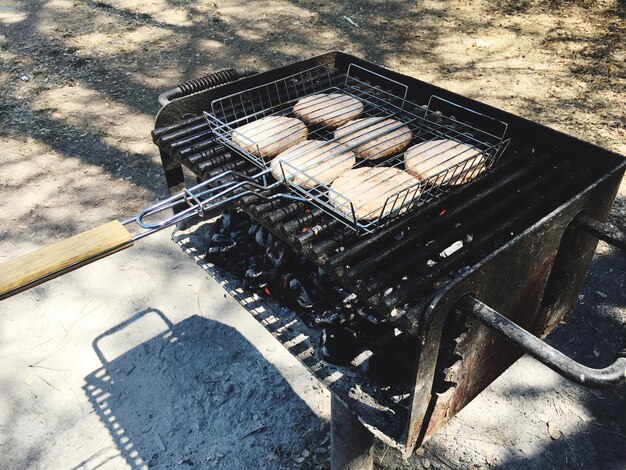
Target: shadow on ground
<point>197,377</point>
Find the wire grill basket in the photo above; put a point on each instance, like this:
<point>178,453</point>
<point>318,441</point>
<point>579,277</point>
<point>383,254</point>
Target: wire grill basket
<point>455,151</point>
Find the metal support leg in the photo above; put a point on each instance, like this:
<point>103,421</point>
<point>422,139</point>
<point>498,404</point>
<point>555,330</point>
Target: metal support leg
<point>175,179</point>
<point>174,176</point>
<point>352,445</point>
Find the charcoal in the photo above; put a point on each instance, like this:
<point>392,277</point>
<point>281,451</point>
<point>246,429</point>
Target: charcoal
<point>323,288</point>
<point>243,247</point>
<point>332,317</point>
<point>227,220</point>
<point>239,234</point>
<point>253,230</point>
<point>256,278</point>
<point>276,253</point>
<point>270,267</point>
<point>339,345</point>
<point>368,314</point>
<point>220,249</point>
<point>279,287</point>
<point>263,237</point>
<point>300,294</point>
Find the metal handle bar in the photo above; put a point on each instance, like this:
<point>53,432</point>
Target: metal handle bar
<point>196,198</point>
<point>600,230</point>
<point>613,374</point>
<point>202,200</point>
<point>211,80</point>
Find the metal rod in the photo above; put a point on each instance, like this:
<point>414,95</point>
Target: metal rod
<point>600,230</point>
<point>193,139</point>
<point>420,280</point>
<point>168,134</point>
<point>434,227</point>
<point>304,240</point>
<point>504,172</point>
<point>444,238</point>
<point>613,374</point>
<point>209,143</point>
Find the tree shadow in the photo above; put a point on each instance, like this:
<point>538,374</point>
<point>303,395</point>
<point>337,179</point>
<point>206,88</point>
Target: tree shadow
<point>212,36</point>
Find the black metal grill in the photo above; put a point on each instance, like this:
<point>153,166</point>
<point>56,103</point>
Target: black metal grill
<point>522,248</point>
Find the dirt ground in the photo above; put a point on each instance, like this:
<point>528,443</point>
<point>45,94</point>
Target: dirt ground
<point>78,87</point>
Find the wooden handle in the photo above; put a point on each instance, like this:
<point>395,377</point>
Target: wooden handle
<point>59,258</point>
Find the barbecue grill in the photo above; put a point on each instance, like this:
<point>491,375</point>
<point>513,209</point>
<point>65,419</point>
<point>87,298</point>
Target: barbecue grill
<point>489,251</point>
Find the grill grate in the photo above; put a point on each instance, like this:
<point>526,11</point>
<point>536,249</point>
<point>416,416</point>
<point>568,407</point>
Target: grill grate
<point>390,270</point>
<point>426,123</point>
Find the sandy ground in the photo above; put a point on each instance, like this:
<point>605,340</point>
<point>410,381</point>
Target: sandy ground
<point>194,381</point>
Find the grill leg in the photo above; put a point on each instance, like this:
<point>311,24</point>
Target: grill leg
<point>174,177</point>
<point>352,445</point>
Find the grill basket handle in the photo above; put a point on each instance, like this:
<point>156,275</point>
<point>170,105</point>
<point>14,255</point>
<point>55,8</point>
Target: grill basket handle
<point>204,83</point>
<point>46,263</point>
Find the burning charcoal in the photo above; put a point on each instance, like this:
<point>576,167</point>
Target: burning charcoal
<point>338,345</point>
<point>300,293</point>
<point>289,290</point>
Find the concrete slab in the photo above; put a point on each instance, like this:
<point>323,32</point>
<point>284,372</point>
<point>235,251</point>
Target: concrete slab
<point>140,358</point>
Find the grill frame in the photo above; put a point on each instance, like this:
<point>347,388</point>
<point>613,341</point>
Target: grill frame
<point>552,256</point>
<point>536,298</point>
